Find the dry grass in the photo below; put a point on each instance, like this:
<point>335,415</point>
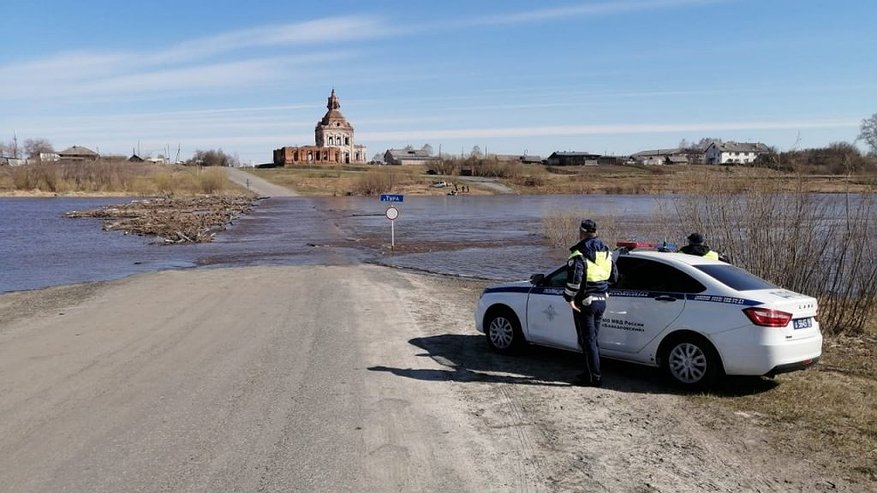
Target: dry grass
<point>114,177</point>
<point>636,180</point>
<point>804,242</point>
<point>539,179</point>
<point>351,180</point>
<point>826,413</point>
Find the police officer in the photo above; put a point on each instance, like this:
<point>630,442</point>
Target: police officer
<point>590,270</point>
<point>696,246</point>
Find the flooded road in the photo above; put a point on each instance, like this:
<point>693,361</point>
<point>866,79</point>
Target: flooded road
<point>493,237</point>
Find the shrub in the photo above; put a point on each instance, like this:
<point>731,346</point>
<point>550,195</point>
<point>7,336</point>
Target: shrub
<point>376,181</point>
<point>561,229</point>
<point>212,180</point>
<point>805,242</point>
<point>809,243</point>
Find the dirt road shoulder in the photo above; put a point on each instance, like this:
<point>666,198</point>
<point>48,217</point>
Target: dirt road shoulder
<point>340,378</point>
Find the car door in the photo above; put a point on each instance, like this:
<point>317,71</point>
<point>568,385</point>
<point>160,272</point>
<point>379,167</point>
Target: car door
<point>549,317</point>
<point>648,297</point>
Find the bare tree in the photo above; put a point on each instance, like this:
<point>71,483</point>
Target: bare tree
<point>706,141</point>
<point>869,133</point>
<point>34,147</point>
<point>427,149</point>
<point>11,148</point>
<point>476,152</point>
<point>213,157</point>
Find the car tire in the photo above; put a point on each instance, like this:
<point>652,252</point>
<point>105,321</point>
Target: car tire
<point>691,362</point>
<point>503,332</point>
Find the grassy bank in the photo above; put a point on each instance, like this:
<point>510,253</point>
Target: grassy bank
<point>361,180</point>
<point>539,179</point>
<point>110,177</point>
<point>826,413</point>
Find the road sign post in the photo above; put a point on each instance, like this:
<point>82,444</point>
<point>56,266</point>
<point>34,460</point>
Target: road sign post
<point>392,214</point>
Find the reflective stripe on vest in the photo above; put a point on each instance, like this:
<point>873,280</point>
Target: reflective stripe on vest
<point>711,255</point>
<point>600,269</point>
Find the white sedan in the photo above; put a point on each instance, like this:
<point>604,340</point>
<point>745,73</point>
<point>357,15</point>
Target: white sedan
<point>695,318</point>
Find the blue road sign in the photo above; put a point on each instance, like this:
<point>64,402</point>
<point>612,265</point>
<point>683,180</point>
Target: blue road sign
<point>391,197</point>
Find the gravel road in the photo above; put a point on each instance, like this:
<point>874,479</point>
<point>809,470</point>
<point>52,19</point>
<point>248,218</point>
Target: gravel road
<point>258,185</point>
<point>334,378</point>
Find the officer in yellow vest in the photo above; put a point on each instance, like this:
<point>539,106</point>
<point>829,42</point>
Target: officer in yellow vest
<point>590,270</point>
<point>696,246</point>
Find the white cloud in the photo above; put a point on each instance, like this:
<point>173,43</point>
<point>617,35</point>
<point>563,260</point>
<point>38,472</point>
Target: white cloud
<point>135,83</point>
<point>321,31</point>
<point>586,10</point>
<point>634,128</point>
<point>211,62</point>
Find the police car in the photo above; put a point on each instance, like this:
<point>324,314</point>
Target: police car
<point>695,318</point>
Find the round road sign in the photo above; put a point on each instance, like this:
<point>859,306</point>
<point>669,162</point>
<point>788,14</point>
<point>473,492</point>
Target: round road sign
<point>392,213</point>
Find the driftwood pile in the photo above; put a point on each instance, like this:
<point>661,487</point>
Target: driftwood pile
<point>173,220</point>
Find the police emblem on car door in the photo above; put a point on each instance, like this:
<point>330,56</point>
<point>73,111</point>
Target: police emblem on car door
<point>549,317</point>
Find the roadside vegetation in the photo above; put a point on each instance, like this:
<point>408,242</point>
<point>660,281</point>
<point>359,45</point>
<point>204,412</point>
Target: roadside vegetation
<point>362,180</point>
<point>820,245</point>
<point>114,177</point>
<point>538,179</point>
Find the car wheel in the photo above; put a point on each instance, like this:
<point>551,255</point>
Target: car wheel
<point>503,332</point>
<point>691,362</point>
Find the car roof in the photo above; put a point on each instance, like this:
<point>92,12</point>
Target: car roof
<point>682,258</point>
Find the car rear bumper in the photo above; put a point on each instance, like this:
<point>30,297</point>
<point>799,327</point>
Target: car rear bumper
<point>778,356</point>
<point>789,367</point>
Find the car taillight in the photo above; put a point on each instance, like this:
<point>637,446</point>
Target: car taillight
<point>766,317</point>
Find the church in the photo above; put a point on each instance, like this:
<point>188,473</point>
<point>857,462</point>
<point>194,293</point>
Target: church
<point>333,136</point>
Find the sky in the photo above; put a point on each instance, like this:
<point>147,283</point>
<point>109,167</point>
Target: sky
<point>512,76</point>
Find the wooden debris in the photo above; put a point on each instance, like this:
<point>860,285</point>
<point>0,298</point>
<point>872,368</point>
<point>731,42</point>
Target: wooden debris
<point>174,220</point>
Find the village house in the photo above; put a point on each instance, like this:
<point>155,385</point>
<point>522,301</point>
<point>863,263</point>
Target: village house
<point>517,158</point>
<point>334,142</point>
<point>572,159</point>
<point>408,156</point>
<point>661,156</point>
<point>734,152</point>
<point>78,153</point>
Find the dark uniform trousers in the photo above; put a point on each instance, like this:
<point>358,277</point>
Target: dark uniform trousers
<point>588,328</point>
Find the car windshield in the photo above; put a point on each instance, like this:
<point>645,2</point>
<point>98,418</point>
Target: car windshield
<point>735,277</point>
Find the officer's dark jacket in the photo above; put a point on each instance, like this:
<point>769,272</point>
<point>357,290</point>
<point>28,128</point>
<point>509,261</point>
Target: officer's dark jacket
<point>703,251</point>
<point>695,249</point>
<point>577,270</point>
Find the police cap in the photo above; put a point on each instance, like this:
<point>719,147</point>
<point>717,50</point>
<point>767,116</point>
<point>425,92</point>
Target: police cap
<point>695,238</point>
<point>588,226</point>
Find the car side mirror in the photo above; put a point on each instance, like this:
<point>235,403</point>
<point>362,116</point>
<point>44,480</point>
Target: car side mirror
<point>536,279</point>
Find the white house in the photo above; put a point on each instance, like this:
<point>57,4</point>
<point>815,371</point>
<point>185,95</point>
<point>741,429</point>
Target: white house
<point>734,152</point>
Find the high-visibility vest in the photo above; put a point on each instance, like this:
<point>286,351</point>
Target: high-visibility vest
<point>600,269</point>
<point>711,255</point>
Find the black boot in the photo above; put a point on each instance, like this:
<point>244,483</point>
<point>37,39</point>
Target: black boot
<point>582,380</point>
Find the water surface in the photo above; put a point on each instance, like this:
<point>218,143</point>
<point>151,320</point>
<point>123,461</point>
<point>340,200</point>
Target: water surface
<point>493,237</point>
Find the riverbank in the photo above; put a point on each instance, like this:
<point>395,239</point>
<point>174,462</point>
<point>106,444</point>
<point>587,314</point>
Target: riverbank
<point>200,377</point>
<point>124,179</point>
<point>547,180</point>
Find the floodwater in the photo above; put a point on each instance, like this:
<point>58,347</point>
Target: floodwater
<point>492,237</point>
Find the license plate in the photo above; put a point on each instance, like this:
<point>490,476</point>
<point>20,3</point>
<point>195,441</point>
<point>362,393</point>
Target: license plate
<point>802,323</point>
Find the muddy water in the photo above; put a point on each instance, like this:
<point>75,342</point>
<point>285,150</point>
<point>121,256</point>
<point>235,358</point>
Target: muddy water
<point>494,237</point>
